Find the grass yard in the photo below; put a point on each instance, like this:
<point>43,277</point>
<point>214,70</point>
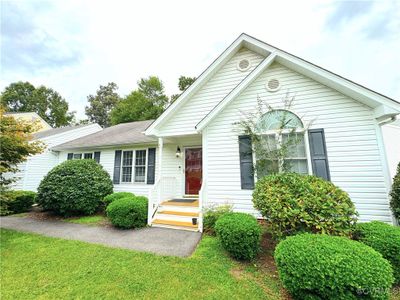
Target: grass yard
<point>33,266</point>
<point>89,220</point>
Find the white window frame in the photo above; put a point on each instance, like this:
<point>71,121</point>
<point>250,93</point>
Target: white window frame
<point>133,175</point>
<point>82,155</point>
<point>278,136</point>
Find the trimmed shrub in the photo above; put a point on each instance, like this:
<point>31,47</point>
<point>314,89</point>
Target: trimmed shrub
<point>14,202</point>
<point>294,203</point>
<point>395,194</point>
<point>316,266</point>
<point>128,212</point>
<point>211,216</point>
<point>74,187</point>
<point>114,196</point>
<point>240,235</point>
<point>385,239</point>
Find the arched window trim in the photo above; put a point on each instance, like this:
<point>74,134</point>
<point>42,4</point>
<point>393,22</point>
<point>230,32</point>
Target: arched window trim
<point>283,130</point>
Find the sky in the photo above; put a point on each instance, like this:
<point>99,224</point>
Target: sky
<point>76,46</point>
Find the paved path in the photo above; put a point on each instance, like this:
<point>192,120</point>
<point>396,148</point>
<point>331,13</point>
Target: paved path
<point>161,241</point>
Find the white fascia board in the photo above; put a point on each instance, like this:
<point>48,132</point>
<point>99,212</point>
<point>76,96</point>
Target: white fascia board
<point>200,81</point>
<point>236,91</point>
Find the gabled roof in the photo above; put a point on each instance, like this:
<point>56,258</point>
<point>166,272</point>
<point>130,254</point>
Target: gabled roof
<point>30,116</point>
<point>118,135</point>
<point>59,130</point>
<point>384,106</point>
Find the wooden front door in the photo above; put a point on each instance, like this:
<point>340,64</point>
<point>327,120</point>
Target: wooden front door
<point>193,170</point>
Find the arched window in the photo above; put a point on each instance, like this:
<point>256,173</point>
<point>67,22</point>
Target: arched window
<point>279,119</point>
<point>282,144</point>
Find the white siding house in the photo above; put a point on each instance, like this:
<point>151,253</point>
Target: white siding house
<point>37,166</point>
<point>192,156</point>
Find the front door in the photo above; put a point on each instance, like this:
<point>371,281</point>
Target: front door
<point>193,170</point>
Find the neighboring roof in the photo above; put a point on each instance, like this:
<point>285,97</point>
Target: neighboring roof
<point>118,135</point>
<point>337,82</point>
<point>30,117</point>
<point>54,131</point>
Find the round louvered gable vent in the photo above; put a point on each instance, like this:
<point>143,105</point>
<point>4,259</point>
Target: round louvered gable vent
<point>273,84</point>
<point>243,65</point>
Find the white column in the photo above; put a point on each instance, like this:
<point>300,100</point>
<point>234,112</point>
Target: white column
<point>160,155</point>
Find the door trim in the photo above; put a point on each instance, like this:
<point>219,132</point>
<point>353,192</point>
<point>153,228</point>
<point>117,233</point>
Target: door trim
<point>184,166</point>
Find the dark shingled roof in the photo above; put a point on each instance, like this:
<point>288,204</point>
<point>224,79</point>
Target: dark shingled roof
<point>50,132</point>
<point>121,134</point>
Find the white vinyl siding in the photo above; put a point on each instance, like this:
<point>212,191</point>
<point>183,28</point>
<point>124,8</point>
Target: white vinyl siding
<point>185,119</point>
<point>107,162</point>
<point>351,138</point>
<point>37,166</point>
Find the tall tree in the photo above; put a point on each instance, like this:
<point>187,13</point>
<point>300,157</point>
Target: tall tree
<point>101,104</point>
<point>47,103</point>
<point>147,102</point>
<point>153,89</point>
<point>183,83</point>
<point>16,146</point>
<point>134,107</point>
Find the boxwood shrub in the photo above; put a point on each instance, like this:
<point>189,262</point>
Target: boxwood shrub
<point>240,235</point>
<point>317,266</point>
<point>395,194</point>
<point>128,212</point>
<point>114,196</point>
<point>74,187</point>
<point>385,239</point>
<point>14,202</point>
<point>293,203</point>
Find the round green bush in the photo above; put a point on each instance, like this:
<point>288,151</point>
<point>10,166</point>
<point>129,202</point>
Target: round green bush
<point>128,212</point>
<point>14,202</point>
<point>317,266</point>
<point>240,235</point>
<point>395,194</point>
<point>114,196</point>
<point>74,187</point>
<point>385,239</point>
<point>294,203</point>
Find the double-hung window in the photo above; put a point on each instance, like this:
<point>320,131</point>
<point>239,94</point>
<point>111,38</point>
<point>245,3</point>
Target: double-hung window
<point>140,165</point>
<point>127,159</point>
<point>282,144</point>
<point>133,166</point>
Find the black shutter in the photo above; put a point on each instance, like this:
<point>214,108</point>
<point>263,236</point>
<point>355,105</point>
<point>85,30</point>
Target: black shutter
<point>246,162</point>
<point>97,156</point>
<point>117,166</point>
<point>70,156</point>
<point>319,156</point>
<point>151,165</point>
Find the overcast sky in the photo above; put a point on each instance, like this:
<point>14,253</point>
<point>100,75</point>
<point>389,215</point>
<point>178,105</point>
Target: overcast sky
<point>74,46</point>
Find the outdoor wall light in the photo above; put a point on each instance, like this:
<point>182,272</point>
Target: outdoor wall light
<point>178,152</point>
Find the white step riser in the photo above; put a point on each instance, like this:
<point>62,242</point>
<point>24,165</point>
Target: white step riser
<point>179,208</point>
<point>174,217</point>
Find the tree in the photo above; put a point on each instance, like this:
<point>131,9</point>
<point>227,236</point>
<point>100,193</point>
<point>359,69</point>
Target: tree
<point>46,102</point>
<point>153,89</point>
<point>101,104</point>
<point>147,102</point>
<point>183,83</point>
<point>134,107</point>
<point>16,146</point>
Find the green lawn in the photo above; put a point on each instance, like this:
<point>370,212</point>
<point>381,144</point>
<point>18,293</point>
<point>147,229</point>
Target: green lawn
<point>34,266</point>
<point>89,220</point>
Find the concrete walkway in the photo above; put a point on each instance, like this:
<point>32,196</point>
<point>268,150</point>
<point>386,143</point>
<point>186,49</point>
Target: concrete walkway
<point>161,241</point>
